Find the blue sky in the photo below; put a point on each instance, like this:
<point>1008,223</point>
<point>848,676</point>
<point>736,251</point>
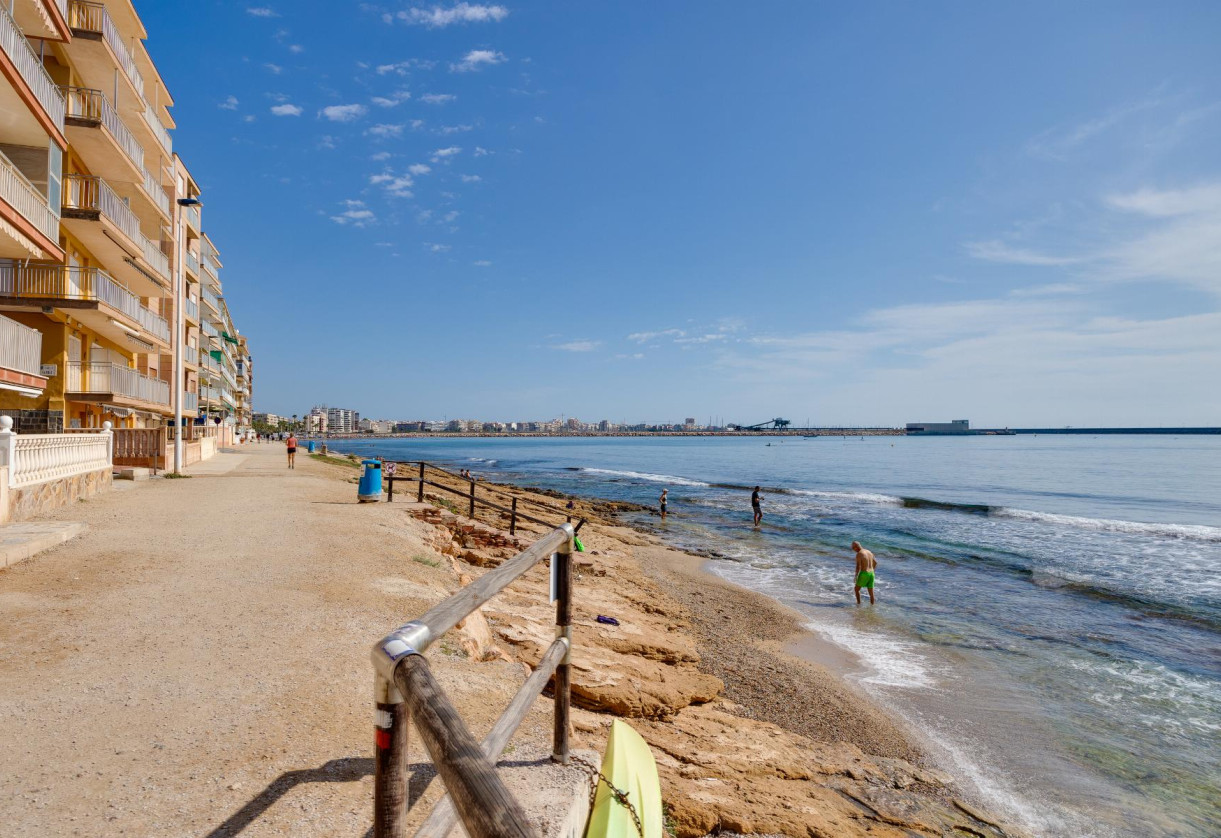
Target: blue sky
<point>856,212</point>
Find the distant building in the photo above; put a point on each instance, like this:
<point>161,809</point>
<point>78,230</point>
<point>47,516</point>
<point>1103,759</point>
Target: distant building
<point>958,426</point>
<point>271,419</point>
<point>341,420</point>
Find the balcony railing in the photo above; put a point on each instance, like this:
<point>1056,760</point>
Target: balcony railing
<point>58,282</point>
<point>209,270</point>
<point>20,347</point>
<point>82,192</point>
<point>209,330</point>
<point>163,136</point>
<point>190,402</point>
<point>27,200</point>
<point>191,354</point>
<point>90,104</point>
<point>101,377</point>
<point>191,309</point>
<point>154,191</point>
<point>209,298</point>
<point>192,261</point>
<point>93,17</point>
<point>193,221</point>
<point>209,394</point>
<point>17,48</point>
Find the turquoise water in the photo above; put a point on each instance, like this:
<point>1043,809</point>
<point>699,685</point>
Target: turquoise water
<point>1049,607</point>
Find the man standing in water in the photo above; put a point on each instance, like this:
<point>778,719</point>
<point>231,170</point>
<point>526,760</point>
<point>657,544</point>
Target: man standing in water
<point>291,444</point>
<point>754,504</point>
<point>865,565</point>
<point>662,502</point>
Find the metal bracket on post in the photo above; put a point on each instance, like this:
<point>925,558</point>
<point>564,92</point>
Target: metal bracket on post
<point>390,793</point>
<point>408,639</point>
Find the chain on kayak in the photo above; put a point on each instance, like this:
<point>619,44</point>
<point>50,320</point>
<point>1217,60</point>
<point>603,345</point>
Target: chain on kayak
<point>596,776</point>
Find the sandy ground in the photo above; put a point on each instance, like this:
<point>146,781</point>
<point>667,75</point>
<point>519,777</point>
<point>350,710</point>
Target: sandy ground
<point>197,662</point>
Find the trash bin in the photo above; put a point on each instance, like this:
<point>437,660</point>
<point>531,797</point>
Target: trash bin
<point>370,489</point>
<point>311,447</point>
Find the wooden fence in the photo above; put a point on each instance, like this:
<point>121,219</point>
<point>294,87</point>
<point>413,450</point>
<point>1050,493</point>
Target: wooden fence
<point>405,688</point>
<point>419,470</point>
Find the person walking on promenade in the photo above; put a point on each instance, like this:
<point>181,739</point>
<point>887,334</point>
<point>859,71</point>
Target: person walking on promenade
<point>662,502</point>
<point>865,565</point>
<point>754,504</point>
<point>291,444</point>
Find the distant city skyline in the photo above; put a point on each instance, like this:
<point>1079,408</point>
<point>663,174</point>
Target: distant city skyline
<point>862,214</point>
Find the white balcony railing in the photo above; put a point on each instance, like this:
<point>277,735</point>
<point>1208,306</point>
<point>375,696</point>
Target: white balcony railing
<point>27,200</point>
<point>93,17</point>
<point>209,298</point>
<point>192,355</point>
<point>192,261</point>
<point>57,282</point>
<point>191,309</point>
<point>92,105</point>
<point>101,377</point>
<point>41,458</point>
<point>154,191</point>
<point>209,330</point>
<point>20,347</point>
<point>190,402</point>
<point>163,136</point>
<point>82,192</point>
<point>17,48</point>
<point>193,221</point>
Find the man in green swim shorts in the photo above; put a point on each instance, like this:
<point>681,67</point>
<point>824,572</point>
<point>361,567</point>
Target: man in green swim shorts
<point>865,565</point>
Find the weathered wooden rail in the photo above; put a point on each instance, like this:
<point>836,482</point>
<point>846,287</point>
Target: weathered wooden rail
<point>419,476</point>
<point>405,688</point>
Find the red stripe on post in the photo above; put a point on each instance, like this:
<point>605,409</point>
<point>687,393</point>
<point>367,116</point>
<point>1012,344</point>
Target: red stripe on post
<point>382,737</point>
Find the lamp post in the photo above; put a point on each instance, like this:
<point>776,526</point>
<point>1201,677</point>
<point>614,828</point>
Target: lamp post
<point>179,339</point>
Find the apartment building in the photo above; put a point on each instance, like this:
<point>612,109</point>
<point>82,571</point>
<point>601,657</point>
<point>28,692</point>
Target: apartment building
<point>342,421</point>
<point>101,250</point>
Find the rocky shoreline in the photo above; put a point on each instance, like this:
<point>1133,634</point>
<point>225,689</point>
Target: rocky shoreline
<point>749,738</point>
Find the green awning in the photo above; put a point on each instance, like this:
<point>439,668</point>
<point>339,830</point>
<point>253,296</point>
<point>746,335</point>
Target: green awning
<point>229,338</point>
<point>216,354</point>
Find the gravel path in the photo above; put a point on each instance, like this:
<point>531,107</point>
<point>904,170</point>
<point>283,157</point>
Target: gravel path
<point>197,662</point>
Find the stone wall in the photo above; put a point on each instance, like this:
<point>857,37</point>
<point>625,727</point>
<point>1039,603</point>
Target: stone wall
<point>31,501</point>
<point>35,421</point>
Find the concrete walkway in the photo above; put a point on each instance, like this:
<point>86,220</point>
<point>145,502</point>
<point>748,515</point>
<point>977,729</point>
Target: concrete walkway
<point>196,662</point>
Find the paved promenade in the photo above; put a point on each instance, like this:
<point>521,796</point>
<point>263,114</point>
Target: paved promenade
<point>196,663</point>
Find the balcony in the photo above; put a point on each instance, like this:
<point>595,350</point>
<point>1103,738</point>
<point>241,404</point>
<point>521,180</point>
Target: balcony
<point>99,135</point>
<point>190,402</point>
<point>104,221</point>
<point>92,296</point>
<point>191,354</point>
<point>36,105</point>
<point>190,309</point>
<point>21,358</point>
<point>113,383</point>
<point>193,223</point>
<point>99,47</point>
<point>209,330</point>
<point>29,227</point>
<point>192,263</point>
<point>154,125</point>
<point>210,300</point>
<point>46,19</point>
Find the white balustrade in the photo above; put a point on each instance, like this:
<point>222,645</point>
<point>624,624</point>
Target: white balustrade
<point>20,347</point>
<point>40,458</point>
<point>30,68</point>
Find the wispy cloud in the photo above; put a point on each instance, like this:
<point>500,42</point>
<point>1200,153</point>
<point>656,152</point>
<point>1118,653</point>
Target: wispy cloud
<point>274,69</point>
<point>393,100</point>
<point>437,98</point>
<point>455,129</point>
<point>343,113</point>
<point>286,110</point>
<point>356,215</point>
<point>477,59</point>
<point>645,337</point>
<point>1057,143</point>
<point>230,104</point>
<point>998,251</point>
<point>437,17</point>
<point>401,68</point>
<point>482,263</point>
<point>578,345</point>
<point>296,49</point>
<point>261,11</point>
<point>383,130</point>
<point>438,248</point>
<point>470,178</point>
<point>443,154</point>
<point>419,169</point>
<point>397,186</point>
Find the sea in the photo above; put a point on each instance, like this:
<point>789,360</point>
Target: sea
<point>1048,613</point>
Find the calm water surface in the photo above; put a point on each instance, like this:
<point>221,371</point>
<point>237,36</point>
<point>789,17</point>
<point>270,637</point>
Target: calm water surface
<point>1049,607</point>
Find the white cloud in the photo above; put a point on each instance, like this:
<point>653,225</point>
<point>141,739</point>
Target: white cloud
<point>1058,143</point>
<point>997,251</point>
<point>393,100</point>
<point>384,130</point>
<point>1205,198</point>
<point>248,118</point>
<point>327,142</point>
<point>402,67</point>
<point>343,113</point>
<point>286,110</point>
<point>470,178</point>
<point>296,49</point>
<point>439,248</point>
<point>477,59</point>
<point>455,129</point>
<point>275,69</point>
<point>397,186</point>
<point>230,104</point>
<point>261,11</point>
<point>419,169</point>
<point>437,98</point>
<point>578,345</point>
<point>645,337</point>
<point>445,153</point>
<point>381,155</point>
<point>482,263</point>
<point>481,152</point>
<point>355,217</point>
<point>436,17</point>
<point>450,216</point>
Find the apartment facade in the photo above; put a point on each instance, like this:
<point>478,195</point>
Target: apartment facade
<point>102,252</point>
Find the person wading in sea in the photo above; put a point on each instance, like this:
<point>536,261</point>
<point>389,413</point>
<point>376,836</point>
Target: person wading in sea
<point>865,565</point>
<point>291,444</point>
<point>754,504</point>
<point>662,503</point>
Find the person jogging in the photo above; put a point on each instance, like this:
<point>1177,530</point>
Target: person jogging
<point>291,445</point>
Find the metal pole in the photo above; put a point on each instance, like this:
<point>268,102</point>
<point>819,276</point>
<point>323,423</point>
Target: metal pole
<point>177,347</point>
<point>390,794</point>
<point>563,630</point>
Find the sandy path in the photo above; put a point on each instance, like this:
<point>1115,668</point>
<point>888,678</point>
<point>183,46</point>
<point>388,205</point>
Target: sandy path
<point>197,662</point>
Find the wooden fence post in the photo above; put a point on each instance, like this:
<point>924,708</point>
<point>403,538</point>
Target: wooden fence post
<point>420,498</point>
<point>513,518</point>
<point>472,499</point>
<point>563,629</point>
<point>390,794</point>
